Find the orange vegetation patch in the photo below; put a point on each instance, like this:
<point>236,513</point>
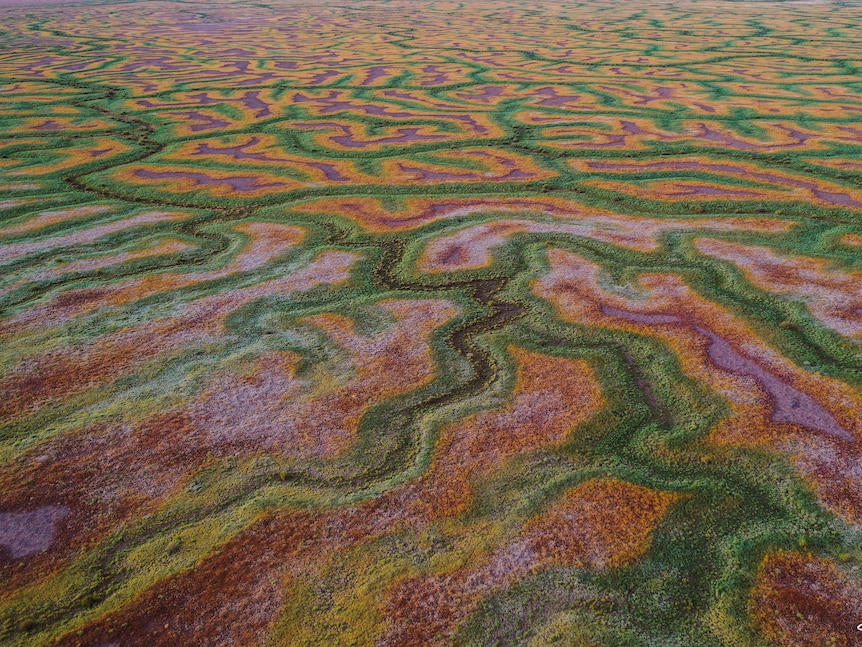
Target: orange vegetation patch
<point>260,151</point>
<point>346,136</point>
<point>851,165</point>
<point>329,267</point>
<point>332,104</point>
<point>696,329</point>
<point>595,132</point>
<point>269,241</point>
<point>494,165</point>
<point>58,159</point>
<point>217,183</point>
<point>256,154</point>
<point>36,382</point>
<point>831,467</point>
<point>375,216</point>
<point>109,474</point>
<point>48,218</point>
<point>851,239</point>
<point>11,204</point>
<point>603,523</point>
<point>689,189</point>
<point>604,131</point>
<point>53,124</point>
<point>9,144</point>
<point>802,601</point>
<point>552,396</point>
<point>834,297</point>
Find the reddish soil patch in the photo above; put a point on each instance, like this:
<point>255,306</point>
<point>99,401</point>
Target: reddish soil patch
<point>603,523</point>
<point>26,533</point>
<point>99,478</point>
<point>801,601</point>
<point>599,524</point>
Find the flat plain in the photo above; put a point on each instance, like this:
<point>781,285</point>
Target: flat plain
<point>431,323</point>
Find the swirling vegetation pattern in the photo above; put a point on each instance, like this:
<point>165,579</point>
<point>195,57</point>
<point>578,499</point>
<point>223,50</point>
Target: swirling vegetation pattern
<point>422,323</point>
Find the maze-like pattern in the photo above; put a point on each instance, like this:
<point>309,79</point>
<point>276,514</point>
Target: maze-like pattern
<point>421,323</point>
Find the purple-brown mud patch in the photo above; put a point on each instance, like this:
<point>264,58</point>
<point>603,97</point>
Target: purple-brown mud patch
<point>239,152</point>
<point>240,183</point>
<point>554,100</point>
<point>686,190</point>
<point>374,73</point>
<point>26,533</point>
<point>485,95</point>
<point>205,122</point>
<point>332,174</point>
<point>789,403</point>
<point>405,136</point>
<point>425,174</point>
<point>252,101</point>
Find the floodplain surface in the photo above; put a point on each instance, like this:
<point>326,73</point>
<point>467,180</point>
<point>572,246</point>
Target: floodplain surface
<point>431,323</point>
